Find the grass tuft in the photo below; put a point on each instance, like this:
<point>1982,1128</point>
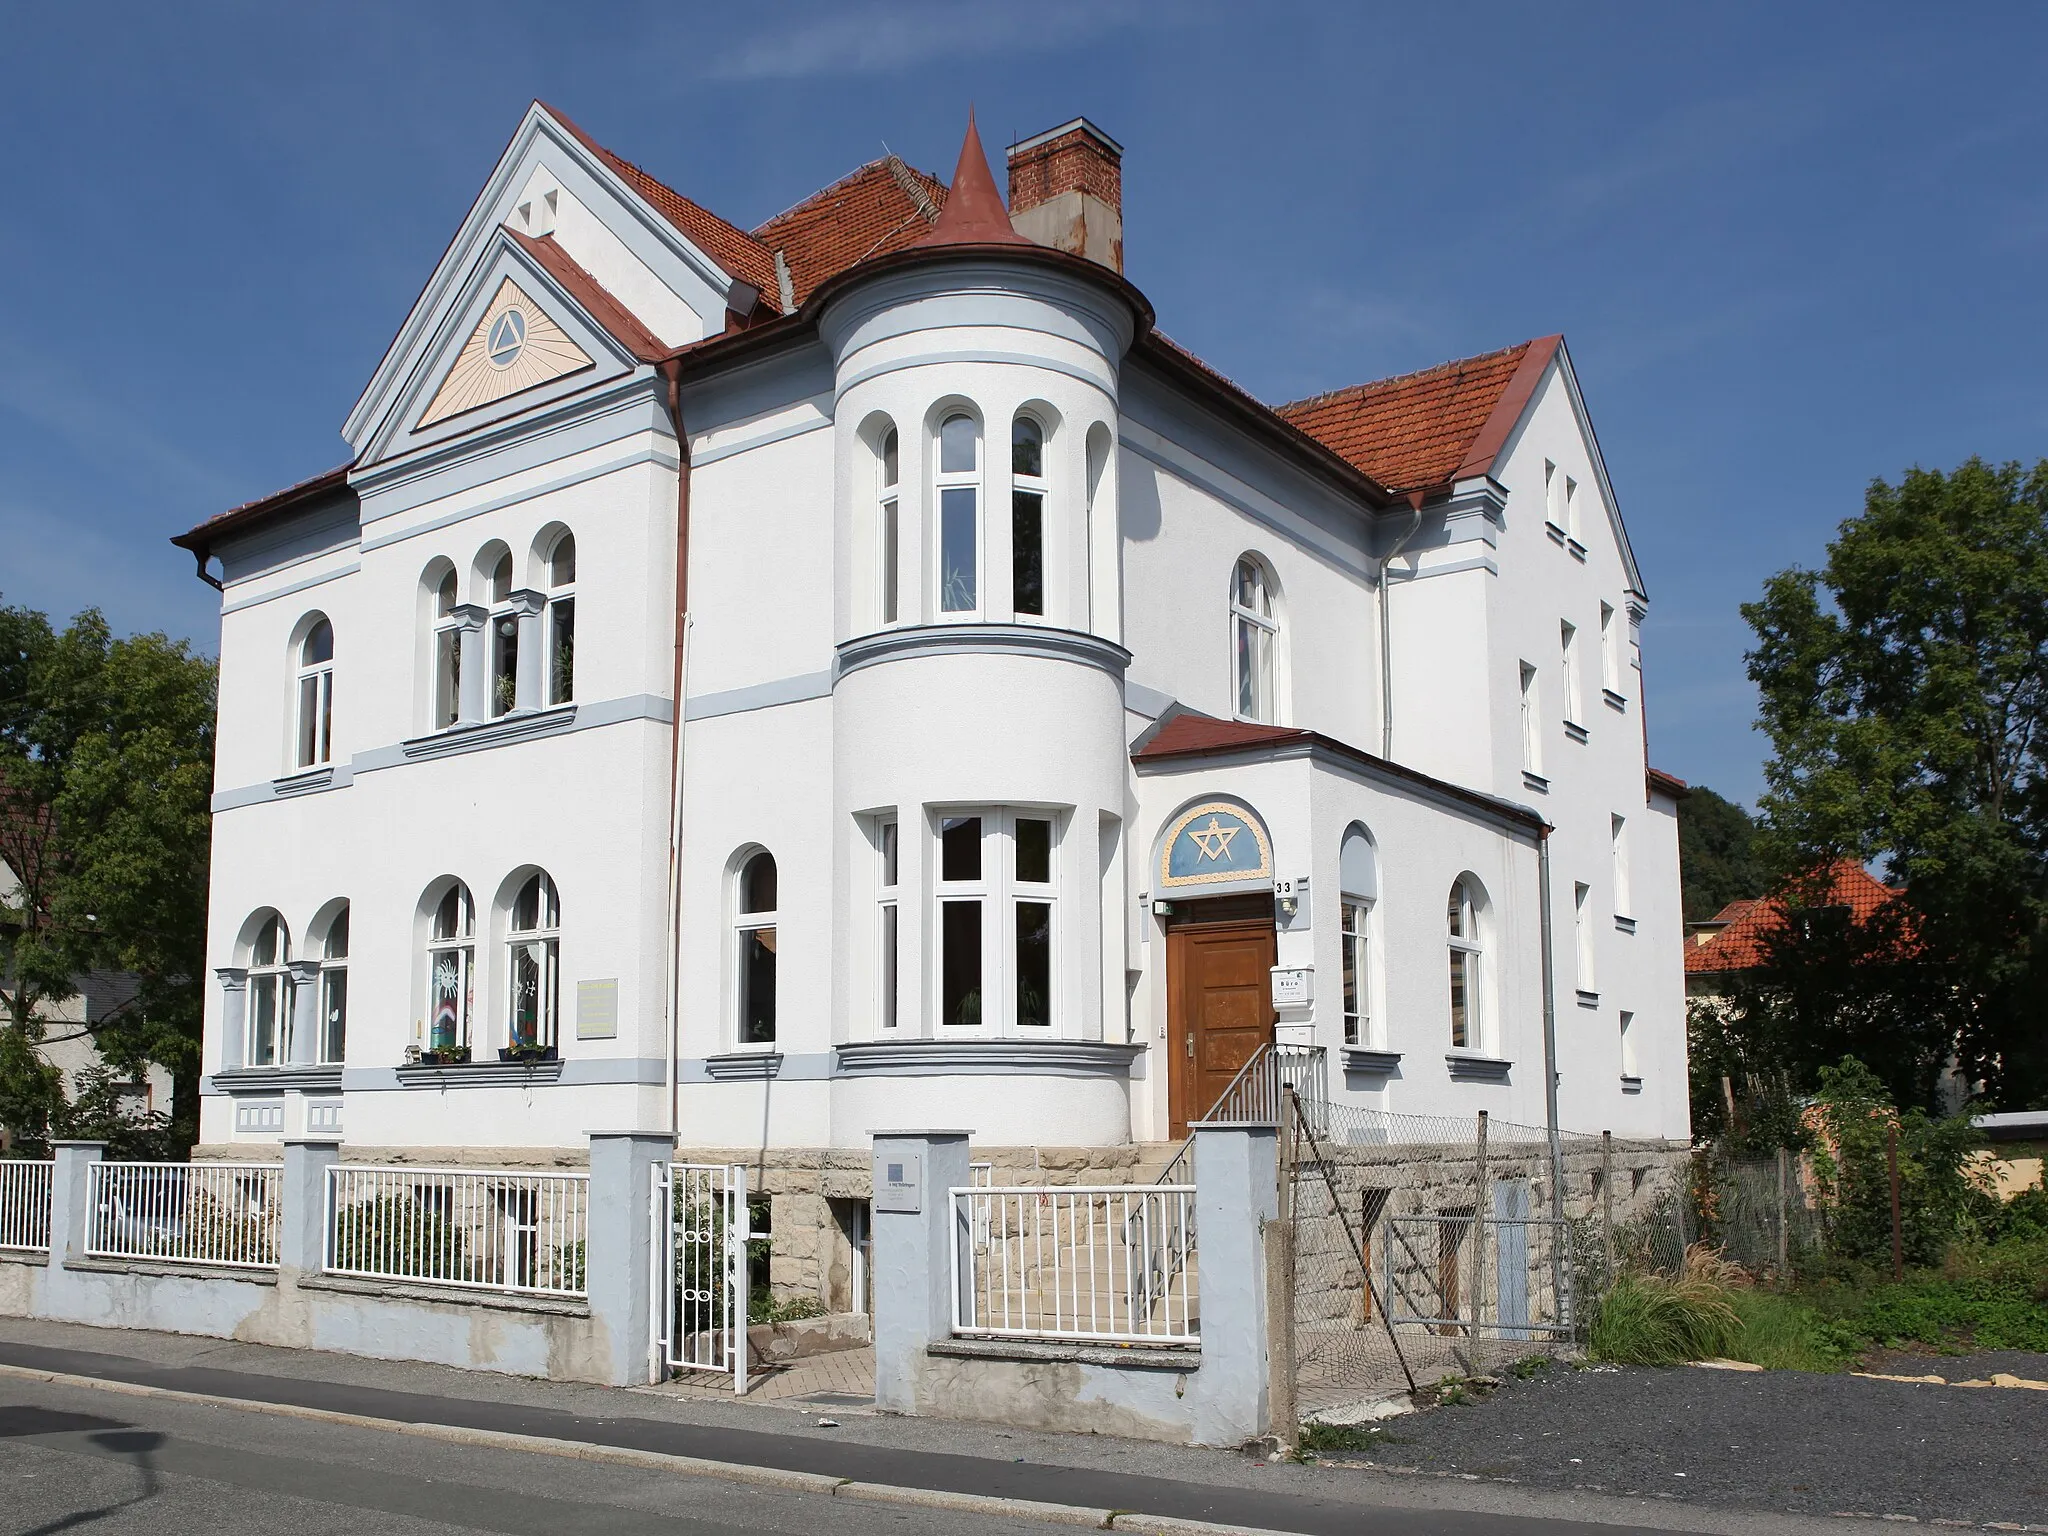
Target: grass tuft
<point>1669,1319</point>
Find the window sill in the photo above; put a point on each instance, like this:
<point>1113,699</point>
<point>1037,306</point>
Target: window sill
<point>1535,781</point>
<point>302,781</point>
<point>478,1074</point>
<point>1587,999</point>
<point>1614,701</point>
<point>1576,731</point>
<point>949,1058</point>
<point>475,735</point>
<point>306,1079</point>
<point>1578,550</point>
<point>1624,924</point>
<point>1631,1084</point>
<point>1471,1067</point>
<point>1364,1061</point>
<point>1557,534</point>
<point>755,1065</point>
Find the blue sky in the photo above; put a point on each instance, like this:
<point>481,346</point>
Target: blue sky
<point>1792,248</point>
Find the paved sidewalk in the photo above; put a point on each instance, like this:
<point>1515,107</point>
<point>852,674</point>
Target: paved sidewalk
<point>1231,1489</point>
<point>842,1381</point>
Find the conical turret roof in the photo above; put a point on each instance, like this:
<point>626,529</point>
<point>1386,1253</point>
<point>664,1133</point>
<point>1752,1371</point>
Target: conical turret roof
<point>974,212</point>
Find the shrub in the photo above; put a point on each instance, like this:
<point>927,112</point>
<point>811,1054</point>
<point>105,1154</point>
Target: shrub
<point>1650,1319</point>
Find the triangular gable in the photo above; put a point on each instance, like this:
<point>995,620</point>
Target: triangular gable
<point>696,288</point>
<point>514,347</point>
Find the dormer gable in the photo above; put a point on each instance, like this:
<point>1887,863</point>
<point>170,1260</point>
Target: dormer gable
<point>606,218</point>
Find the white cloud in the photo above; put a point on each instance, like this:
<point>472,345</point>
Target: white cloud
<point>886,38</point>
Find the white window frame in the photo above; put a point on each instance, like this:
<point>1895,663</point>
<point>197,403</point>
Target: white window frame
<point>1631,1064</point>
<point>1532,720</point>
<point>560,622</point>
<point>445,701</point>
<point>270,978</point>
<point>1568,647</point>
<point>888,844</point>
<point>1465,953</point>
<point>1571,511</point>
<point>459,950</point>
<point>1553,510</point>
<point>1000,891</point>
<point>744,924</point>
<point>1610,652</point>
<point>502,685</point>
<point>1039,486</point>
<point>1624,889</point>
<point>1255,619</point>
<point>889,525</point>
<point>1582,932</point>
<point>1355,938</point>
<point>313,696</point>
<point>958,480</point>
<point>332,1046</point>
<point>546,936</point>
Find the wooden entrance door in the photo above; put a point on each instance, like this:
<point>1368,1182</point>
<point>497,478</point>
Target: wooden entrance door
<point>1219,1008</point>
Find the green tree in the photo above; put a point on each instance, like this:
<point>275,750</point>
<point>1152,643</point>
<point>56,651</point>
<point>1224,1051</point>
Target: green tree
<point>1717,859</point>
<point>1904,687</point>
<point>106,767</point>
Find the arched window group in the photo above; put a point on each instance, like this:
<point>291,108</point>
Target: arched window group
<point>293,1012</point>
<point>976,572</point>
<point>510,647</point>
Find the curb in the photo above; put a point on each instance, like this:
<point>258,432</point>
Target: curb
<point>660,1461</point>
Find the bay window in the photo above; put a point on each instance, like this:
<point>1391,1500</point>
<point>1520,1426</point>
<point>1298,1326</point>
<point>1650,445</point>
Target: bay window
<point>888,523</point>
<point>997,919</point>
<point>958,485</point>
<point>888,865</point>
<point>1027,517</point>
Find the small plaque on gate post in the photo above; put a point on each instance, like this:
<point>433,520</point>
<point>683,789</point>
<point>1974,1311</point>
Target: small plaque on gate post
<point>899,1182</point>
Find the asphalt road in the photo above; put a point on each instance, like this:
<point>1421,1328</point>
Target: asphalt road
<point>74,1460</point>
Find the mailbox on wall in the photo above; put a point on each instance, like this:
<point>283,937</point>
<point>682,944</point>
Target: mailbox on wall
<point>1294,986</point>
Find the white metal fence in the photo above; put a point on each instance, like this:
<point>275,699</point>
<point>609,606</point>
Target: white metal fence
<point>493,1230</point>
<point>222,1214</point>
<point>1114,1264</point>
<point>25,1204</point>
<point>700,1249</point>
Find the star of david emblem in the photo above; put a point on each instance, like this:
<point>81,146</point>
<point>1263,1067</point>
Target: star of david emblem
<point>508,335</point>
<point>1214,839</point>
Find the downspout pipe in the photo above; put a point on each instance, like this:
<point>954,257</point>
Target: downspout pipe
<point>1387,630</point>
<point>672,377</point>
<point>1549,1017</point>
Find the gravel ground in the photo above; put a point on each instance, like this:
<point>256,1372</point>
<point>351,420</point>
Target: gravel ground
<point>1782,1440</point>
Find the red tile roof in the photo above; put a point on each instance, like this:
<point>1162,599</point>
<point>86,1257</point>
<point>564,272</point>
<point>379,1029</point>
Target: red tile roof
<point>731,247</point>
<point>1740,929</point>
<point>593,297</point>
<point>880,208</point>
<point>1189,733</point>
<point>1425,430</point>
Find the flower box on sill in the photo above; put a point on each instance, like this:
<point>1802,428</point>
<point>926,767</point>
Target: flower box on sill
<point>528,1054</point>
<point>445,1056</point>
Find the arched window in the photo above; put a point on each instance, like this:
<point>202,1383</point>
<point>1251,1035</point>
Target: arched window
<point>1254,638</point>
<point>270,992</point>
<point>560,642</point>
<point>1027,517</point>
<point>888,522</point>
<point>959,497</point>
<point>504,640</point>
<point>334,989</point>
<point>1461,916</point>
<point>316,695</point>
<point>754,968</point>
<point>451,967</point>
<point>1360,879</point>
<point>447,654</point>
<point>533,969</point>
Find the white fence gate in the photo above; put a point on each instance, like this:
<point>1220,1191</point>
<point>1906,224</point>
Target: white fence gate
<point>700,1255</point>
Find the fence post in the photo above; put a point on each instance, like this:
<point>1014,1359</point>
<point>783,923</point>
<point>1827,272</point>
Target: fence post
<point>618,1252</point>
<point>1606,1205</point>
<point>1280,1235</point>
<point>1784,1214</point>
<point>913,1255</point>
<point>1891,1158</point>
<point>1479,1215</point>
<point>1236,1198</point>
<point>70,1211</point>
<point>302,1223</point>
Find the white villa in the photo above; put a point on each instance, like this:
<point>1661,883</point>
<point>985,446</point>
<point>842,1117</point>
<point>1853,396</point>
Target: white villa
<point>769,687</point>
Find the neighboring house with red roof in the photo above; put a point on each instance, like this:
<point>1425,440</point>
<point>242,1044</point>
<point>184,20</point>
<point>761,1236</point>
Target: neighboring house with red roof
<point>759,686</point>
<point>1735,940</point>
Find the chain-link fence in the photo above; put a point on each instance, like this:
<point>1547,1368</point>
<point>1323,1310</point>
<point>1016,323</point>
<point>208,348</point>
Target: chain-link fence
<point>1424,1247</point>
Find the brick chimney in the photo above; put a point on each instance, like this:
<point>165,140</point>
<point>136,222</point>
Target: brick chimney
<point>1067,191</point>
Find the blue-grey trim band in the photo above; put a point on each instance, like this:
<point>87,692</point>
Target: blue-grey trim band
<point>235,1081</point>
<point>576,1071</point>
<point>1038,362</point>
<point>738,701</point>
<point>666,457</point>
<point>979,1058</point>
<point>743,1066</point>
<point>781,434</point>
<point>291,588</point>
<point>982,640</point>
<point>805,1067</point>
<point>562,720</point>
<point>1484,563</point>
